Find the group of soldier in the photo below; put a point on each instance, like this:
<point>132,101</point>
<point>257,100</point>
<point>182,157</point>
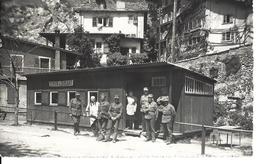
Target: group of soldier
<point>105,116</point>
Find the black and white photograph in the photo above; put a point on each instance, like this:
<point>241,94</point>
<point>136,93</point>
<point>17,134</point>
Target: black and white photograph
<point>127,79</point>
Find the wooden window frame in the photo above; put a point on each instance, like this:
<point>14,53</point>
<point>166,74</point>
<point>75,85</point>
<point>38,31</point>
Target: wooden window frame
<point>197,87</point>
<point>228,19</point>
<point>51,103</point>
<point>43,57</point>
<point>68,96</point>
<point>35,98</point>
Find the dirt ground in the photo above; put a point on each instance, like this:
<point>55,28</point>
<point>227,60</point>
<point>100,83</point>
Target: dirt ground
<point>42,141</point>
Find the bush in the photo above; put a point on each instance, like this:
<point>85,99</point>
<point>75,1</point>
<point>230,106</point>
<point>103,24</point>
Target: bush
<point>139,58</point>
<point>116,59</point>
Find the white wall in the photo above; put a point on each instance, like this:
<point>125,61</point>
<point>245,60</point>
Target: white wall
<point>120,23</point>
<point>214,18</point>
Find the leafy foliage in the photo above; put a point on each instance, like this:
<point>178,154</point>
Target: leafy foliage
<point>139,58</point>
<point>116,59</point>
<point>113,42</point>
<point>80,42</point>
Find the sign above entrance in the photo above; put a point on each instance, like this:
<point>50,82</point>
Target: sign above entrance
<point>65,83</point>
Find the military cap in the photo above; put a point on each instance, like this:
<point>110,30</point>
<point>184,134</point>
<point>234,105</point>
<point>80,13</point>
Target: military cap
<point>165,99</point>
<point>116,97</point>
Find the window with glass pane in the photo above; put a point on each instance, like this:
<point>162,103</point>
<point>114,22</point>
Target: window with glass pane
<point>45,63</point>
<point>71,95</point>
<point>53,98</point>
<point>38,98</point>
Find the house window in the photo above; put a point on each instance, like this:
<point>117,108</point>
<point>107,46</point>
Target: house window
<point>37,98</point>
<point>18,61</point>
<point>228,19</point>
<point>45,62</point>
<point>193,86</point>
<point>53,98</point>
<point>70,95</point>
<point>102,21</point>
<point>159,81</point>
<point>228,36</point>
<point>98,47</point>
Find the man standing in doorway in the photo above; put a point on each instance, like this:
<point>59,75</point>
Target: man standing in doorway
<point>115,113</point>
<point>103,117</point>
<point>130,110</point>
<point>168,118</point>
<point>76,110</point>
<point>150,117</point>
<point>143,104</point>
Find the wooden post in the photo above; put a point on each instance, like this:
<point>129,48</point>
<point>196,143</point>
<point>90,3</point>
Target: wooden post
<point>203,135</point>
<point>31,117</point>
<point>55,120</point>
<point>174,29</point>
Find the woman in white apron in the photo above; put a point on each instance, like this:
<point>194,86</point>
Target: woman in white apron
<point>92,110</point>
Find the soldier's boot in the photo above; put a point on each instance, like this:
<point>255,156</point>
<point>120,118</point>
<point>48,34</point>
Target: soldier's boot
<point>169,140</point>
<point>115,138</point>
<point>148,137</point>
<point>153,137</point>
<point>107,137</point>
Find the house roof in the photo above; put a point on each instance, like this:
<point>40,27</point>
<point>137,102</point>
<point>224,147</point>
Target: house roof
<point>110,5</point>
<point>37,45</point>
<point>134,67</point>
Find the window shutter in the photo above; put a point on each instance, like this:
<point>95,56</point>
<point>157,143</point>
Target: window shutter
<point>94,23</point>
<point>10,95</point>
<point>45,98</point>
<point>110,22</point>
<point>36,62</point>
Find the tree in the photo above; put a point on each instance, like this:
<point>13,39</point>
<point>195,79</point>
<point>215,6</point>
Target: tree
<point>11,79</point>
<point>80,42</point>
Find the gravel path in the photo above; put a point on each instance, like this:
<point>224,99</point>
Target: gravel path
<point>42,141</point>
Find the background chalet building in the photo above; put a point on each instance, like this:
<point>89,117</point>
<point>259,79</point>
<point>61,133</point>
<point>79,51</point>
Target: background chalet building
<point>28,58</point>
<point>106,17</point>
<point>205,26</point>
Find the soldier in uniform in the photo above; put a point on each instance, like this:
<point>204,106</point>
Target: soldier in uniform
<point>159,115</point>
<point>168,118</point>
<point>115,113</point>
<point>103,117</point>
<point>143,104</point>
<point>150,117</point>
<point>76,110</point>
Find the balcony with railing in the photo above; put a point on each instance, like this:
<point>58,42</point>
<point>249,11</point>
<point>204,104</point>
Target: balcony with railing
<point>7,70</point>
